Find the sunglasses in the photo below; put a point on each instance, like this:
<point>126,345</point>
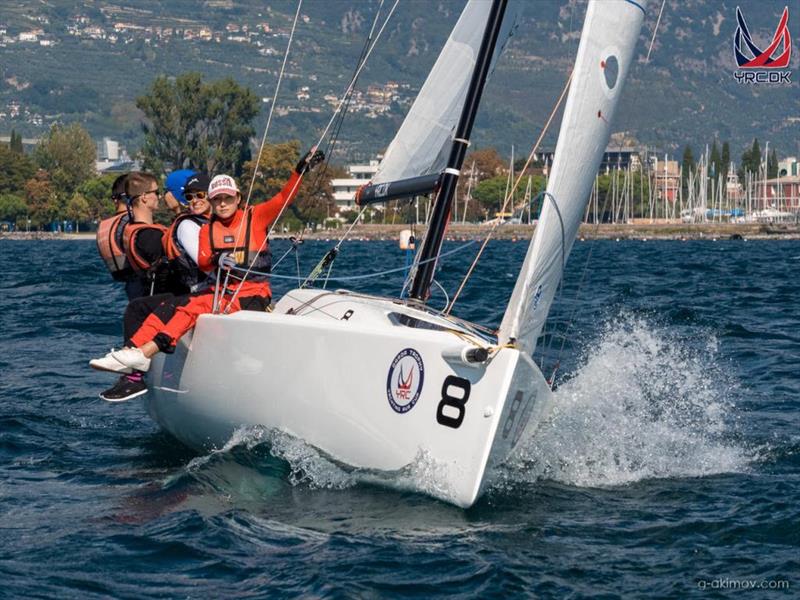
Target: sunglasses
<point>195,195</point>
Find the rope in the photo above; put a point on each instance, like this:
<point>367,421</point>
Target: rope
<point>322,137</point>
<point>358,72</point>
<point>365,275</point>
<point>655,30</point>
<point>269,117</point>
<point>449,308</point>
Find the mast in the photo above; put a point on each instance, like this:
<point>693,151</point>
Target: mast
<point>420,286</point>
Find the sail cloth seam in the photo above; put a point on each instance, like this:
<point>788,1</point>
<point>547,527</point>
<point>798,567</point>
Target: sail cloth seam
<point>449,308</point>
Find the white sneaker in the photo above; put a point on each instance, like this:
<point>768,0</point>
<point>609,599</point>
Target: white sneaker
<point>109,363</point>
<point>133,358</point>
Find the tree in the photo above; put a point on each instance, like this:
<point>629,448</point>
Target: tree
<point>488,163</point>
<point>15,145</point>
<point>15,170</point>
<point>12,207</point>
<point>726,160</point>
<point>67,153</point>
<point>97,192</point>
<point>314,201</point>
<point>687,167</point>
<point>193,124</point>
<point>77,210</point>
<point>491,193</point>
<point>772,165</point>
<point>751,161</point>
<point>43,205</point>
<point>714,161</point>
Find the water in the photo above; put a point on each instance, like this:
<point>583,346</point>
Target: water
<point>668,468</point>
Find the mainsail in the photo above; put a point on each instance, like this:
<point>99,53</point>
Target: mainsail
<point>423,142</point>
<point>604,57</point>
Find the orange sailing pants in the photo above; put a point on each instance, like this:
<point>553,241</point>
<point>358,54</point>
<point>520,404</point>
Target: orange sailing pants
<point>186,316</point>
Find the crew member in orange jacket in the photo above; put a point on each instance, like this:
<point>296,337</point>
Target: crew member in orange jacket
<point>233,241</point>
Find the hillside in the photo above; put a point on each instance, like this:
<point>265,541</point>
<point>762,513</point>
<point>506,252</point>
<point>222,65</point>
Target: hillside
<point>88,61</point>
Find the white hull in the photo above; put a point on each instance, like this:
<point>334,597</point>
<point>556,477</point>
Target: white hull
<point>320,368</point>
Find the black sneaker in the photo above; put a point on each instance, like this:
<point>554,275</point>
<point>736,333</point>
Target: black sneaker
<point>124,389</point>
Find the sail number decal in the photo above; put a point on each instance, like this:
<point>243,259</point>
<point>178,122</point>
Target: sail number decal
<point>452,406</point>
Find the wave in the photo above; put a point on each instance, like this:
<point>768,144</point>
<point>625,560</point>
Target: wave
<point>645,402</point>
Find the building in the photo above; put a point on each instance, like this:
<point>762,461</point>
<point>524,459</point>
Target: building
<point>782,193</point>
<point>344,189</point>
<point>112,157</point>
<point>788,166</point>
<point>613,158</point>
<point>667,175</point>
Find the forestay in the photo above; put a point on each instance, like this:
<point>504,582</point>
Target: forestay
<point>604,56</point>
<point>423,142</point>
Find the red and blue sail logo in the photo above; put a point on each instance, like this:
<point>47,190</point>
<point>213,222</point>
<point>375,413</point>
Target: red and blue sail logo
<point>762,66</point>
<point>750,56</point>
<point>405,379</point>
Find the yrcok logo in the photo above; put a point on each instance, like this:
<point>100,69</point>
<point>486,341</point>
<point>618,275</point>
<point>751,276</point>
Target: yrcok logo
<point>761,66</point>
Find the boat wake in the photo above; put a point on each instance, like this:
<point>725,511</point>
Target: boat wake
<point>644,403</point>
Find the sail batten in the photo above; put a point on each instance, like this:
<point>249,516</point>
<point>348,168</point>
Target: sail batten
<point>604,57</point>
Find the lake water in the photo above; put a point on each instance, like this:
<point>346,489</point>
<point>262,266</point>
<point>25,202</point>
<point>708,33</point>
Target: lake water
<point>669,467</point>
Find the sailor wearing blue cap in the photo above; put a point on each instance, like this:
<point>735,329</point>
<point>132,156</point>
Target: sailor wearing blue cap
<point>174,186</point>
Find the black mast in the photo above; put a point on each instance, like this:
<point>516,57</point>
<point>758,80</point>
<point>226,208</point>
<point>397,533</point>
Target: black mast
<point>420,286</point>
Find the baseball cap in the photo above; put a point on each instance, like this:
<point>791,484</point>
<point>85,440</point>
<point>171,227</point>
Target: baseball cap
<point>175,183</point>
<point>222,184</point>
<point>197,183</point>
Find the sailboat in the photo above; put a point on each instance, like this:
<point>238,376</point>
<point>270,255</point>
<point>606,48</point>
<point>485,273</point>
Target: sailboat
<point>379,383</point>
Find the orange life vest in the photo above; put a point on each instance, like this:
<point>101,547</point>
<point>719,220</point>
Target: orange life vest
<point>223,239</point>
<point>110,234</point>
<point>137,262</point>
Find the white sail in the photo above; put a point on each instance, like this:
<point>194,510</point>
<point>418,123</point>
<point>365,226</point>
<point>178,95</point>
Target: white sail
<point>604,56</point>
<point>423,141</point>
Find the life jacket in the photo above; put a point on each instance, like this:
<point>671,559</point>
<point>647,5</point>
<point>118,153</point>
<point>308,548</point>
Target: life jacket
<point>137,262</point>
<point>110,233</point>
<point>181,265</point>
<point>223,239</point>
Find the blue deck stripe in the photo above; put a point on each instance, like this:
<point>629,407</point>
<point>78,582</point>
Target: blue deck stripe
<point>637,5</point>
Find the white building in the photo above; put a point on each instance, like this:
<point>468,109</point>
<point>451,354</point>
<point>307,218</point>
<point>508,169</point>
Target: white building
<point>344,189</point>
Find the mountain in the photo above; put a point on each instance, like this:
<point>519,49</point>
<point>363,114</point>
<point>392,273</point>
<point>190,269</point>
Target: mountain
<point>88,61</point>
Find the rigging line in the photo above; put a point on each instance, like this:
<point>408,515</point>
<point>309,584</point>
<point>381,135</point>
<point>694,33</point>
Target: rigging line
<point>365,275</point>
<point>349,97</point>
<point>322,137</point>
<point>449,308</point>
<point>574,311</point>
<point>260,248</point>
<point>655,31</point>
<point>358,72</point>
<point>257,165</point>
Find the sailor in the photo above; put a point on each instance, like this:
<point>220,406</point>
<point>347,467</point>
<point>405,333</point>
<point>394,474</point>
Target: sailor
<point>142,238</point>
<point>180,249</point>
<point>174,188</point>
<point>233,242</point>
<point>109,241</point>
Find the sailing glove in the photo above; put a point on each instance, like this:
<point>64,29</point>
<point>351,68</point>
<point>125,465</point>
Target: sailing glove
<point>309,161</point>
<point>226,261</point>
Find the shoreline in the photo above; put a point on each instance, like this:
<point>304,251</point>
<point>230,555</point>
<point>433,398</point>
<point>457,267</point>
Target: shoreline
<point>455,232</point>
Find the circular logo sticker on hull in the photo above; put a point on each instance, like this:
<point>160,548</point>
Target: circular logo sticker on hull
<point>404,383</point>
